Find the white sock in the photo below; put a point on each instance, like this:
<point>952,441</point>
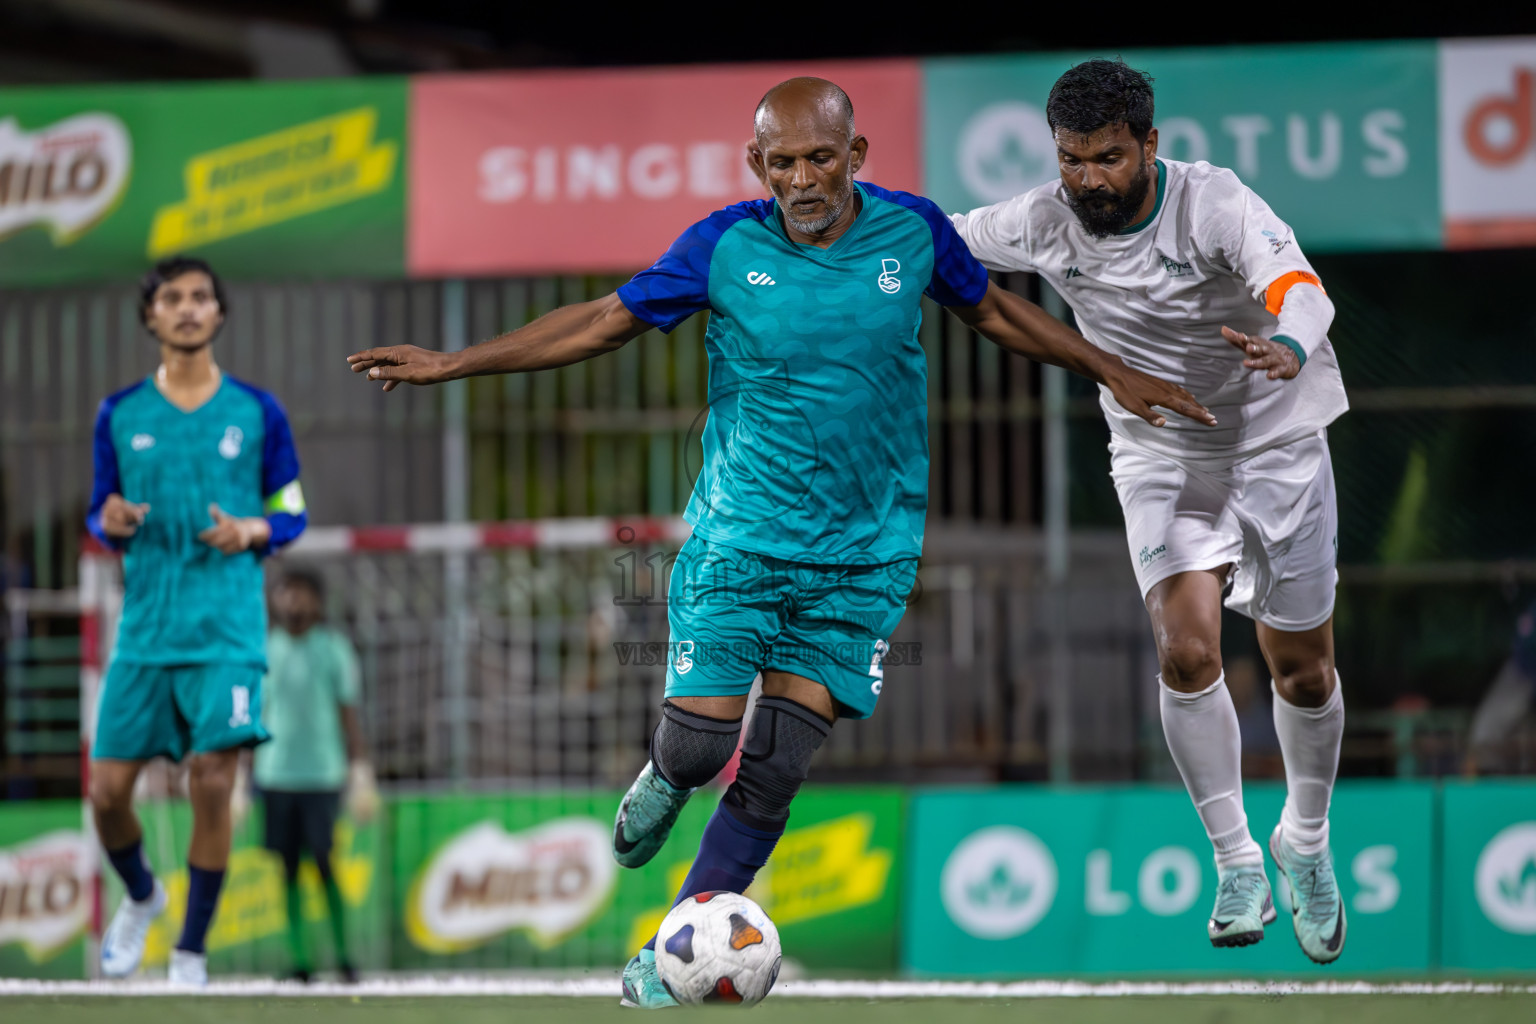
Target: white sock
<point>1203,737</point>
<point>1309,742</point>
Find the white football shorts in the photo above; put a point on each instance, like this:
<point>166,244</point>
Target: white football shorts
<point>1273,516</point>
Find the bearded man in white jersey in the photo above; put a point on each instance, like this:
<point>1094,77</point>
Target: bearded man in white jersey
<point>1185,273</point>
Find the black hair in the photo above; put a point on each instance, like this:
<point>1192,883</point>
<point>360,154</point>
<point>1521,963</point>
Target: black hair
<point>309,578</point>
<point>169,270</point>
<point>1098,94</point>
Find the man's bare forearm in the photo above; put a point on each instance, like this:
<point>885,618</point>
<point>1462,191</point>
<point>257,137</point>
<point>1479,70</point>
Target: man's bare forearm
<point>564,336</point>
<point>352,733</point>
<point>1024,328</point>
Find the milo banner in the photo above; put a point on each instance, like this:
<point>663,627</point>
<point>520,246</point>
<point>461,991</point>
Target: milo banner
<point>1340,139</point>
<point>1043,881</point>
<point>46,867</point>
<point>530,881</point>
<point>271,180</point>
<point>250,924</point>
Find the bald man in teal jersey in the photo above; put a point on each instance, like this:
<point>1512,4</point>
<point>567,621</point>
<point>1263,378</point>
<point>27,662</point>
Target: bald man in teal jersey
<point>808,512</point>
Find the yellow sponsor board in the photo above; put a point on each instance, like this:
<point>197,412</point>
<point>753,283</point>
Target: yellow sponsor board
<point>252,905</point>
<point>264,181</point>
<point>815,871</point>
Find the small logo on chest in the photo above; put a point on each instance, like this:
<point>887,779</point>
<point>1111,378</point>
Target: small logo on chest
<point>888,281</point>
<point>142,442</point>
<point>229,447</point>
<point>1177,269</point>
<point>759,277</point>
<point>1073,272</point>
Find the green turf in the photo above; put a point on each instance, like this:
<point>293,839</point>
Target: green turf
<point>1455,1009</point>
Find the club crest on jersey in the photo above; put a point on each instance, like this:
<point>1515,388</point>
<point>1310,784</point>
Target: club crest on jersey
<point>1177,269</point>
<point>889,282</point>
<point>229,447</point>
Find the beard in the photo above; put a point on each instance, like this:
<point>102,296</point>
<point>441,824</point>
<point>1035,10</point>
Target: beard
<point>834,207</point>
<point>1103,213</point>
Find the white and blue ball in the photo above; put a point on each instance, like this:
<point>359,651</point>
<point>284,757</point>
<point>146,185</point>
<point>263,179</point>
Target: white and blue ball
<point>718,947</point>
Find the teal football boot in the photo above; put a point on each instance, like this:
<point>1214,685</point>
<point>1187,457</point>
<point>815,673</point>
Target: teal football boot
<point>646,816</point>
<point>1244,905</point>
<point>1317,910</point>
<point>643,988</point>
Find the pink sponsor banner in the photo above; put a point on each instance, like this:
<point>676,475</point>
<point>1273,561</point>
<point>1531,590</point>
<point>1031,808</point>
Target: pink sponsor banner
<point>594,171</point>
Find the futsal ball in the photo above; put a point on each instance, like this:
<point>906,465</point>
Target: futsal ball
<point>718,947</point>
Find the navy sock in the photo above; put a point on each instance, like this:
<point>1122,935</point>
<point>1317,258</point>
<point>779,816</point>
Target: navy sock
<point>202,896</point>
<point>133,869</point>
<point>730,855</point>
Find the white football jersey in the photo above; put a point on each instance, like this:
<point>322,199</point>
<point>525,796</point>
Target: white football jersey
<point>1158,294</point>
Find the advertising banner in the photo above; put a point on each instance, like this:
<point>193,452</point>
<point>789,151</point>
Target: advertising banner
<point>271,180</point>
<point>1027,881</point>
<point>1339,139</point>
<point>593,171</point>
<point>530,880</point>
<point>1489,891</point>
<point>250,924</point>
<point>1488,142</point>
<point>46,868</point>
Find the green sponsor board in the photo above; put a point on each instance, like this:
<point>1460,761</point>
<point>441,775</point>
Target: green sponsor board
<point>46,865</point>
<point>530,880</point>
<point>248,934</point>
<point>1341,140</point>
<point>1489,891</point>
<point>1042,881</point>
<point>269,180</point>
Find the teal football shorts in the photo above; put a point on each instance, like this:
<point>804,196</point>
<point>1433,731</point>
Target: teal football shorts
<point>150,711</point>
<point>733,614</point>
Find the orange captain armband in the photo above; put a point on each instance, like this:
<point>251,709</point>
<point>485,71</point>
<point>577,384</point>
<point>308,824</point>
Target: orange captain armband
<point>1274,295</point>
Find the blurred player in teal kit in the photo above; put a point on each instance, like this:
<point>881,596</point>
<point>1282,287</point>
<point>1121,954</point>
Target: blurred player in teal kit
<point>808,514</point>
<point>196,481</point>
<point>312,689</point>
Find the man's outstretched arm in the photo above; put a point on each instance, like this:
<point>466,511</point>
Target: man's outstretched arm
<point>1024,328</point>
<point>558,338</point>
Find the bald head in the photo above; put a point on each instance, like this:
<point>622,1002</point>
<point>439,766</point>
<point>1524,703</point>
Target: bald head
<point>806,151</point>
<point>804,104</point>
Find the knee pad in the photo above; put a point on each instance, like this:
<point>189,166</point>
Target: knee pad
<point>690,749</point>
<point>775,760</point>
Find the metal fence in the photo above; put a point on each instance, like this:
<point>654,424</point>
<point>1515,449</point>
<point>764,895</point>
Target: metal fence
<point>1430,462</point>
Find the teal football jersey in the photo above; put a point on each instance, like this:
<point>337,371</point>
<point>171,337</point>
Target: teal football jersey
<point>308,678</point>
<point>815,449</point>
<point>185,603</point>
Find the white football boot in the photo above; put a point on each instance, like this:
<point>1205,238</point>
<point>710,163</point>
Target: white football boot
<point>122,947</point>
<point>188,970</point>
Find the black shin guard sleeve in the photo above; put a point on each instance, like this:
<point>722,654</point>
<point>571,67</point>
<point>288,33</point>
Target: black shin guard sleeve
<point>689,750</point>
<point>775,760</point>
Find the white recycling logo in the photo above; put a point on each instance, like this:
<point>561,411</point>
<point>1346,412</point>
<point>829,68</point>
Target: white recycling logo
<point>1005,149</point>
<point>1505,879</point>
<point>998,882</point>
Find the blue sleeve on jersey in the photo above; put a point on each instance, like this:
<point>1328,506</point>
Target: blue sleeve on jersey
<point>279,468</point>
<point>959,279</point>
<point>107,481</point>
<point>677,285</point>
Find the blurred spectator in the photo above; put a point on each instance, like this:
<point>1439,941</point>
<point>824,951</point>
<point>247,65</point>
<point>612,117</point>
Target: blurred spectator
<point>1248,683</point>
<point>311,690</point>
<point>1507,703</point>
